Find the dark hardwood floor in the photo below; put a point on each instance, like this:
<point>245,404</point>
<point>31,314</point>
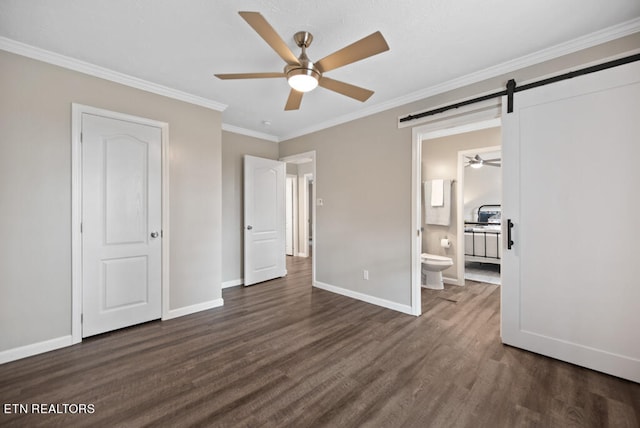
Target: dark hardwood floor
<point>282,354</point>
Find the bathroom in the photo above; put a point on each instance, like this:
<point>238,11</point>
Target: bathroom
<point>465,168</point>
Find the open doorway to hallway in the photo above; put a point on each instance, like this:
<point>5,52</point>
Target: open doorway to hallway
<point>300,210</point>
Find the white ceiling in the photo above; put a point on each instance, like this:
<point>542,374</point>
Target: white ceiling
<point>181,44</point>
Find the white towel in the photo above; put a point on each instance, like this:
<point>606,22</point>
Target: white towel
<point>437,192</point>
<point>438,215</point>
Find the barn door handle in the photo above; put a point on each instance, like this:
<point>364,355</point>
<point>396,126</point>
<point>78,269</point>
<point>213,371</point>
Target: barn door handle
<point>509,240</point>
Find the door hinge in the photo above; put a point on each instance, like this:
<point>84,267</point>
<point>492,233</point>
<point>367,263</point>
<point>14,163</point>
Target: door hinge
<point>81,318</point>
<point>81,137</point>
<point>80,227</point>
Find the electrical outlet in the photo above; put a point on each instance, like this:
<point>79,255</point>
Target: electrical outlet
<point>365,274</point>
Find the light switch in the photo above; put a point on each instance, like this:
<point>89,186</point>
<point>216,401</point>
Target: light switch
<point>320,202</point>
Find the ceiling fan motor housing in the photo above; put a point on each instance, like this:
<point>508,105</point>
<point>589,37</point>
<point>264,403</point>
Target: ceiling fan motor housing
<point>306,67</point>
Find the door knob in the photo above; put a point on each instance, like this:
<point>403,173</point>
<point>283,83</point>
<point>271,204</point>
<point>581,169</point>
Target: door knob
<point>154,234</point>
<point>249,227</point>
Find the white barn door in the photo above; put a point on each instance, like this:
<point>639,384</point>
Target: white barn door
<point>264,219</point>
<point>571,282</point>
<point>121,221</point>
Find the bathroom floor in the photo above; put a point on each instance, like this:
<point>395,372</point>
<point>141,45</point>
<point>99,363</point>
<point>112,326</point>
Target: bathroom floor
<point>482,272</point>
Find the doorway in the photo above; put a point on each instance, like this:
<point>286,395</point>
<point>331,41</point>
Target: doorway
<point>488,117</point>
<point>479,204</point>
<point>302,168</point>
<point>291,213</point>
<point>474,177</point>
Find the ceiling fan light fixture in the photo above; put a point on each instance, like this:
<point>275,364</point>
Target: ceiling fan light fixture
<point>303,79</point>
<point>476,165</point>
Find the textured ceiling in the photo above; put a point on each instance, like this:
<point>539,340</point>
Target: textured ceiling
<point>181,44</point>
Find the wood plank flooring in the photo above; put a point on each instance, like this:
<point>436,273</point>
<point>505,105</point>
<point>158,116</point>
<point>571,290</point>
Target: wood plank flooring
<point>283,354</point>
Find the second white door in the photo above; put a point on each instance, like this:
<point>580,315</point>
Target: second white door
<point>264,219</point>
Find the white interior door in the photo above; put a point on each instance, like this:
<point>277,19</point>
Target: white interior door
<point>121,220</point>
<point>264,219</point>
<point>571,282</point>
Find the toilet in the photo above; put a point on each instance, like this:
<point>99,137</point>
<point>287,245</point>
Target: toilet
<point>432,267</point>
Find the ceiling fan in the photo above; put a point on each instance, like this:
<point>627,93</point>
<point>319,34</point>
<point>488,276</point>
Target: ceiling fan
<point>478,162</point>
<point>302,74</point>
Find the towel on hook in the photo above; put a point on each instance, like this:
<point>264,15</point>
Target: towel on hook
<point>437,192</point>
<point>438,215</point>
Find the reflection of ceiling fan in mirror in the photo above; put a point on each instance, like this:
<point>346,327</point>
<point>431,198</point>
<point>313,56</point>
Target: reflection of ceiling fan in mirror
<point>304,75</point>
<point>478,162</point>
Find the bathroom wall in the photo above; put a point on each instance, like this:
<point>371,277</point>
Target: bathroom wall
<point>440,160</point>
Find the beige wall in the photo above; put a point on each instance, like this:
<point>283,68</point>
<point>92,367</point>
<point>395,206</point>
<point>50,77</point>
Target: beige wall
<point>234,147</point>
<point>440,160</point>
<point>363,173</point>
<point>35,194</point>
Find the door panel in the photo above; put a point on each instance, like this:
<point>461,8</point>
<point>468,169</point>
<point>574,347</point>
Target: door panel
<point>117,276</point>
<point>264,215</point>
<point>121,204</point>
<point>126,183</point>
<point>570,283</point>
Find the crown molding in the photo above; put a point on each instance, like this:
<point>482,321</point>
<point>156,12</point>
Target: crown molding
<point>249,133</point>
<point>577,44</point>
<point>44,55</point>
<point>571,46</point>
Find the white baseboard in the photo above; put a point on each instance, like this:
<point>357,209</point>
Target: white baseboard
<point>452,281</point>
<point>64,341</point>
<point>405,309</point>
<point>187,310</point>
<point>35,348</point>
<point>232,283</point>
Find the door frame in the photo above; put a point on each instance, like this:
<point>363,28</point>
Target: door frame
<point>77,110</point>
<point>296,157</point>
<point>450,122</point>
<point>294,211</point>
<point>304,217</point>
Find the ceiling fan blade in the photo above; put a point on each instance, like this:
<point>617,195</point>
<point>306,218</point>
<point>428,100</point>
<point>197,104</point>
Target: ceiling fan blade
<point>294,100</point>
<point>492,164</point>
<point>249,75</point>
<point>493,160</point>
<point>347,89</point>
<point>371,45</point>
<point>266,31</point>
